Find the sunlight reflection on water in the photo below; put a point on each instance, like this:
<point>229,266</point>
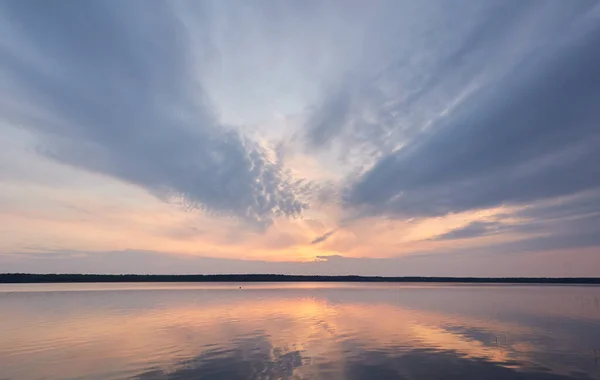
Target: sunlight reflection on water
<point>298,331</point>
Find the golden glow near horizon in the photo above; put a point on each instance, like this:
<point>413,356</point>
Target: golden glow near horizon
<point>89,227</point>
<point>99,224</point>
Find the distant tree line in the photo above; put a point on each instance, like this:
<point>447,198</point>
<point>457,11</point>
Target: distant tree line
<point>66,278</point>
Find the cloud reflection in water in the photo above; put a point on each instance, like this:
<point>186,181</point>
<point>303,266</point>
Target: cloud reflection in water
<point>277,331</point>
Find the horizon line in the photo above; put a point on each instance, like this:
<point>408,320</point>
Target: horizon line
<point>264,277</point>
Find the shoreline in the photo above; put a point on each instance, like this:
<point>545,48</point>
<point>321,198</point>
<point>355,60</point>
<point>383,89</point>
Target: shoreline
<point>29,278</point>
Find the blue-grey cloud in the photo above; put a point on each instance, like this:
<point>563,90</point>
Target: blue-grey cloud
<point>474,229</point>
<point>322,238</point>
<point>530,136</point>
<point>112,87</point>
<point>432,107</point>
<point>389,94</point>
<point>571,223</point>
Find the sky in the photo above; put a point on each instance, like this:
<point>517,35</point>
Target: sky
<point>437,138</point>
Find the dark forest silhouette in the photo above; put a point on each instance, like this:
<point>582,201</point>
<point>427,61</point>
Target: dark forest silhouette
<point>66,278</point>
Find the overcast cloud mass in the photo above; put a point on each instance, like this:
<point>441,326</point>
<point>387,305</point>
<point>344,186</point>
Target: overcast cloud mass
<point>363,137</point>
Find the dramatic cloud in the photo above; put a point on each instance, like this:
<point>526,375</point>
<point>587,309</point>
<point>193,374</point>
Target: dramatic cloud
<point>408,75</point>
<point>112,87</point>
<point>379,137</point>
<point>530,136</point>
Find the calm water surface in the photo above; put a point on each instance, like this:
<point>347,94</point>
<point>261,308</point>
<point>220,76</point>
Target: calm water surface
<point>298,331</point>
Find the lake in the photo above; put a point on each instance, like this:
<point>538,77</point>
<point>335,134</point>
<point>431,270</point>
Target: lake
<point>298,331</point>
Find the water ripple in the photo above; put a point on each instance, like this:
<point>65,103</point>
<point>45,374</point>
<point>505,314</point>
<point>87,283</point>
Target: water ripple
<point>371,332</point>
